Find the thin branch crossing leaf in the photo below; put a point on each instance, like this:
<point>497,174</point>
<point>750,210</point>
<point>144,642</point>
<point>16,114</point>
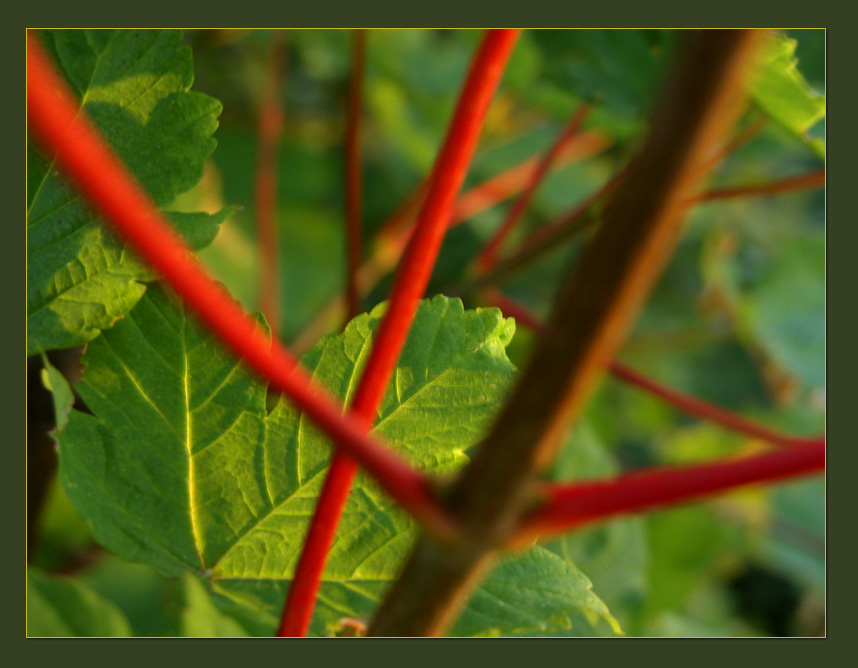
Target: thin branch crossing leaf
<point>182,466</point>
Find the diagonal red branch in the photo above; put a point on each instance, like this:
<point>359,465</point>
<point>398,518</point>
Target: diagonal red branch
<point>574,505</point>
<point>354,173</point>
<point>82,154</point>
<point>411,280</point>
<point>487,257</point>
<point>680,400</point>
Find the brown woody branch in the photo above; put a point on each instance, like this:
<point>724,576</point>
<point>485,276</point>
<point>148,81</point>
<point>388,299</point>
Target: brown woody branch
<point>591,314</point>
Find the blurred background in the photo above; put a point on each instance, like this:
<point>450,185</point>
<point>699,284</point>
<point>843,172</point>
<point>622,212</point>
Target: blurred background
<point>738,318</point>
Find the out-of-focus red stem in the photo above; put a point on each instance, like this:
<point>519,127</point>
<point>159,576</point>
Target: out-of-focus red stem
<point>684,402</point>
<point>354,173</point>
<point>411,280</point>
<point>495,190</point>
<point>56,119</point>
<point>740,139</point>
<point>569,221</point>
<point>702,409</point>
<point>547,236</point>
<point>571,506</point>
<point>270,129</point>
<point>809,181</point>
<point>487,257</point>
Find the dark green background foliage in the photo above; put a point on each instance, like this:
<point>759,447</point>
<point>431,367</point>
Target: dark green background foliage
<point>199,487</point>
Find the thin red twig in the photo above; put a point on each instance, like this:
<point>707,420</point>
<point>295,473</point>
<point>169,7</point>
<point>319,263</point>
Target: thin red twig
<point>411,280</point>
<point>488,255</point>
<point>270,129</point>
<point>98,173</point>
<point>354,173</point>
<point>568,221</point>
<point>495,190</point>
<point>808,181</point>
<point>559,229</point>
<point>705,410</point>
<point>394,234</point>
<point>740,139</point>
<point>684,402</point>
<point>571,506</point>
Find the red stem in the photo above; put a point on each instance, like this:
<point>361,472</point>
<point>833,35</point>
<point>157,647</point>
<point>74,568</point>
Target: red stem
<point>488,256</point>
<point>411,280</point>
<point>354,173</point>
<point>506,184</point>
<point>571,506</point>
<point>790,184</point>
<point>706,411</point>
<point>571,219</point>
<point>393,235</point>
<point>270,129</point>
<point>494,190</point>
<point>680,400</point>
<point>102,178</point>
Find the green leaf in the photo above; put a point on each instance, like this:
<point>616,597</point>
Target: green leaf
<point>62,607</point>
<point>181,467</point>
<point>56,383</point>
<point>134,84</point>
<point>785,311</point>
<point>612,554</point>
<point>615,68</point>
<point>200,617</point>
<point>537,593</point>
<point>781,91</point>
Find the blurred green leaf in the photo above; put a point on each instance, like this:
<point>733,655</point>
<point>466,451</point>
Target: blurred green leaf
<point>613,555</point>
<point>781,91</point>
<point>56,383</point>
<point>200,617</point>
<point>62,607</point>
<point>615,68</point>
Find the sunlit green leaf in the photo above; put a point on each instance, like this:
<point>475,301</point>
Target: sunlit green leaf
<point>182,467</point>
<point>134,86</point>
<point>200,617</point>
